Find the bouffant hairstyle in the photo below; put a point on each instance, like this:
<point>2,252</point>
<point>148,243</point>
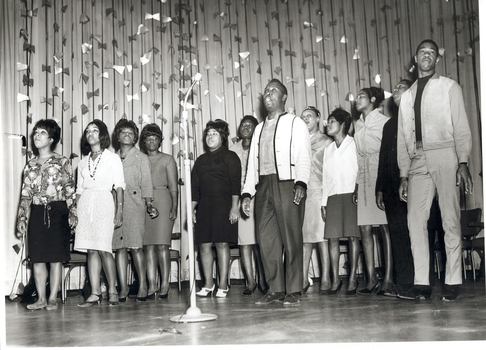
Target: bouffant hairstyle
<point>104,136</point>
<point>221,127</point>
<point>52,128</point>
<point>150,130</point>
<point>341,117</point>
<point>147,131</point>
<point>126,124</point>
<point>377,93</point>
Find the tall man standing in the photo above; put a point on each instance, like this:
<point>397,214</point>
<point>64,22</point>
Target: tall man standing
<point>434,143</point>
<point>278,171</point>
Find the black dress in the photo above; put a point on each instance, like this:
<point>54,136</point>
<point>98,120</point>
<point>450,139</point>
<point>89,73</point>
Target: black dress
<point>216,177</point>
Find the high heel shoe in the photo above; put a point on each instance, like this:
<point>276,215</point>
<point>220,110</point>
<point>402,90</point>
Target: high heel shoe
<point>204,292</point>
<point>367,291</point>
<point>123,300</point>
<point>152,296</point>
<point>141,298</point>
<point>166,295</point>
<point>221,293</point>
<point>113,299</point>
<point>335,291</point>
<point>306,288</point>
<point>248,292</point>
<point>352,291</point>
<point>87,303</point>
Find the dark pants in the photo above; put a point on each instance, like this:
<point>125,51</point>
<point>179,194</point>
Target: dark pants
<point>279,234</point>
<point>396,215</point>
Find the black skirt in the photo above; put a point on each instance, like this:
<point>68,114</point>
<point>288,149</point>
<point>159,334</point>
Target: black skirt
<point>49,233</point>
<point>212,221</point>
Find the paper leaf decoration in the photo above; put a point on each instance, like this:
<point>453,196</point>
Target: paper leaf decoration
<point>133,97</point>
<point>155,16</point>
<point>22,97</point>
<point>310,82</point>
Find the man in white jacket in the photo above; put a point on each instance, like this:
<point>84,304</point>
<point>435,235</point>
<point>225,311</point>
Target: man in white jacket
<point>278,171</point>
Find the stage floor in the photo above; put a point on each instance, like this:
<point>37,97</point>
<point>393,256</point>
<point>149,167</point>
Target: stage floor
<point>318,319</point>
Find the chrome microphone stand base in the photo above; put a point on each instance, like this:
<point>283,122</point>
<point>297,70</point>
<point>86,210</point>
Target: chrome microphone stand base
<point>193,314</point>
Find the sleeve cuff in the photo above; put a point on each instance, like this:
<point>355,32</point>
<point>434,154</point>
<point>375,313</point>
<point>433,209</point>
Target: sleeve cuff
<point>301,184</point>
<point>245,195</point>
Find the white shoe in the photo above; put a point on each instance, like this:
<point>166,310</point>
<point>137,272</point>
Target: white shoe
<point>221,293</point>
<point>204,292</point>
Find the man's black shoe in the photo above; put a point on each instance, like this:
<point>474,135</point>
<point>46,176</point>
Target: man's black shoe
<point>271,297</point>
<point>417,292</point>
<point>292,299</point>
<point>450,293</point>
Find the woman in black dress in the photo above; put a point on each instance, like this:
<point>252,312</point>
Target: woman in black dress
<point>216,182</point>
<point>46,210</point>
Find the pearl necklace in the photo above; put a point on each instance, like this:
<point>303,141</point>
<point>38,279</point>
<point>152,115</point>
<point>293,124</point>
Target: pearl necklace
<point>96,162</point>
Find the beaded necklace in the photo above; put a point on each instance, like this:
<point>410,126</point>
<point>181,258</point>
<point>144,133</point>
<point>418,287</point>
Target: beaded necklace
<point>96,162</point>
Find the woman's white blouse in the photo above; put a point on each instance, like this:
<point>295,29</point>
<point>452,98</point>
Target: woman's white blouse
<point>340,169</point>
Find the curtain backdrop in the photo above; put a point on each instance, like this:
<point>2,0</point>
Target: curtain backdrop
<point>75,61</point>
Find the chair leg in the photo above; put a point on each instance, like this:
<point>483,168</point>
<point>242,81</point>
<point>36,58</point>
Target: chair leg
<point>437,264</point>
<point>179,274</point>
<point>471,255</point>
<point>464,265</point>
<point>63,286</point>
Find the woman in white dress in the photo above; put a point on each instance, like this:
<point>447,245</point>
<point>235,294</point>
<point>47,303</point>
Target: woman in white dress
<point>99,173</point>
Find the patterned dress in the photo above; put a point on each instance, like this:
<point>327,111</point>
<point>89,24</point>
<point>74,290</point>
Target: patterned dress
<point>313,227</point>
<point>368,136</point>
<point>136,170</point>
<point>96,210</point>
<point>48,198</point>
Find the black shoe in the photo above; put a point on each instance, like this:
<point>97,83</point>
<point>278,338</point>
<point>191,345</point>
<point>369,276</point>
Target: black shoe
<point>271,297</point>
<point>352,291</point>
<point>367,291</point>
<point>249,292</point>
<point>335,291</point>
<point>292,299</point>
<point>392,292</point>
<point>416,292</point>
<point>151,296</point>
<point>166,295</point>
<point>395,290</point>
<point>306,288</point>
<point>451,292</point>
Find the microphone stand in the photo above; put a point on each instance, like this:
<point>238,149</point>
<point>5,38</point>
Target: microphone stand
<point>193,313</point>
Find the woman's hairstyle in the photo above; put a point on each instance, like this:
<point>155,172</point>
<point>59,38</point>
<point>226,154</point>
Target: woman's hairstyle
<point>104,136</point>
<point>147,131</point>
<point>221,127</point>
<point>250,119</point>
<point>377,93</point>
<point>342,116</point>
<point>126,124</point>
<point>150,130</point>
<point>52,128</point>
